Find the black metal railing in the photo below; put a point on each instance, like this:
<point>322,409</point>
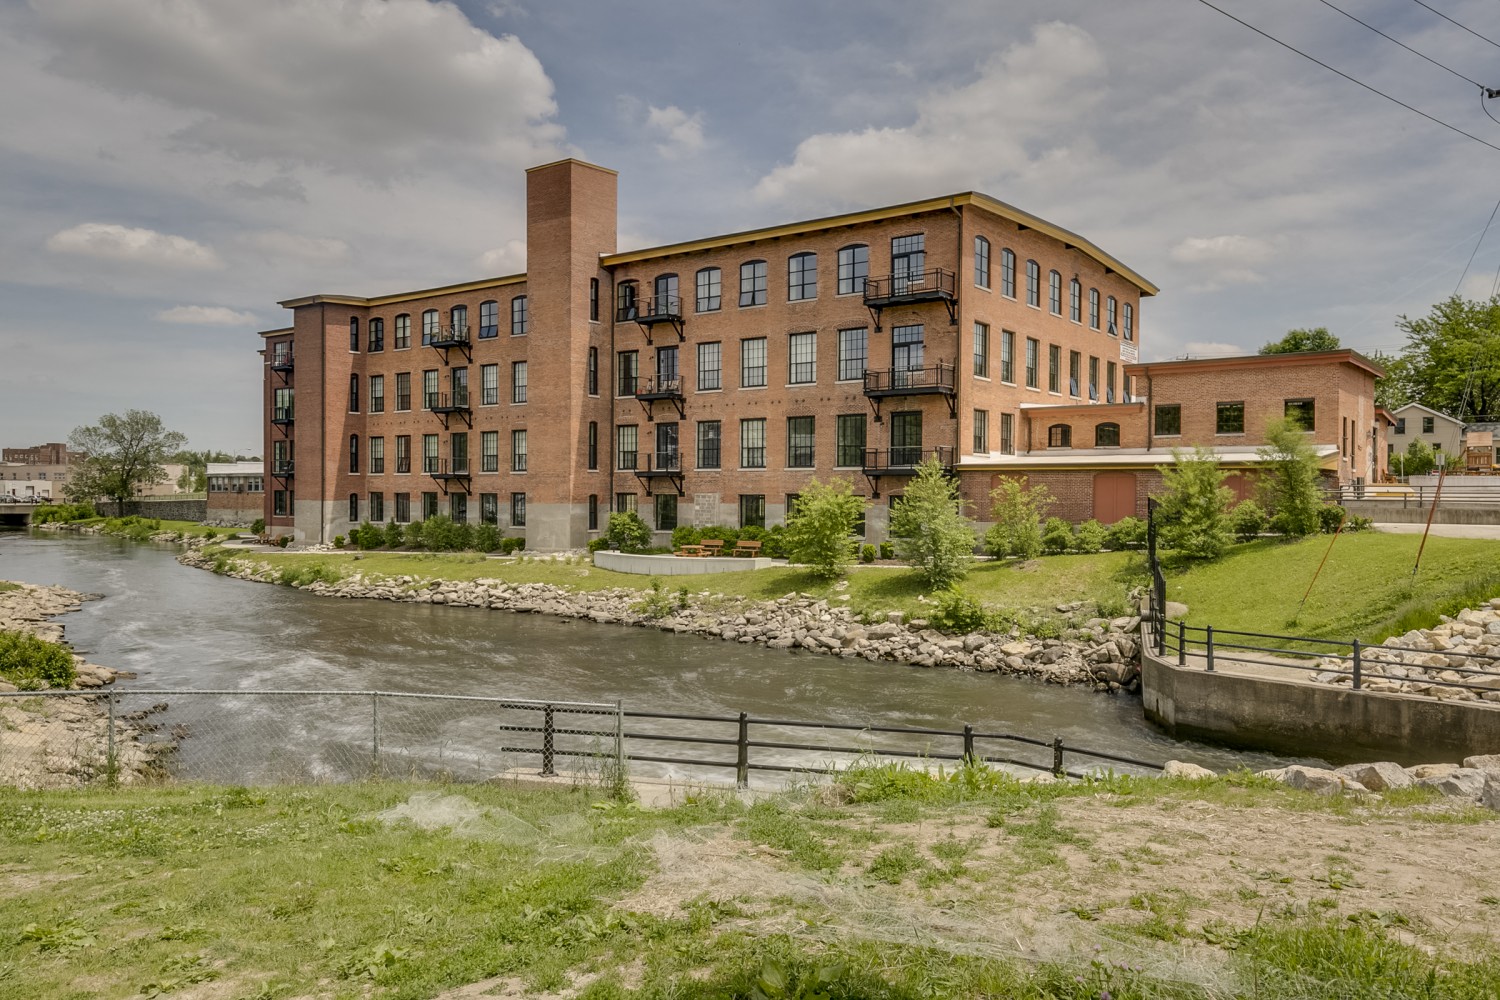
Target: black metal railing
<point>661,309</point>
<point>283,468</point>
<point>452,336</point>
<point>904,458</point>
<point>662,463</point>
<point>661,387</point>
<point>935,283</point>
<point>447,468</point>
<point>444,402</point>
<point>281,414</point>
<point>1455,493</point>
<point>938,378</point>
<point>281,361</point>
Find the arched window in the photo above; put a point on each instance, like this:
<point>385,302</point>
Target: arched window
<point>1075,301</point>
<point>458,321</point>
<point>354,334</point>
<point>430,326</point>
<point>801,277</point>
<point>489,319</point>
<point>353,452</point>
<point>403,332</point>
<point>625,298</point>
<point>377,335</point>
<point>1094,308</point>
<point>854,268</point>
<point>1107,436</point>
<point>1112,314</point>
<point>353,393</point>
<point>1033,283</point>
<point>1008,273</point>
<point>1054,293</point>
<point>1129,321</point>
<point>981,262</point>
<point>664,291</point>
<point>753,283</point>
<point>1060,436</point>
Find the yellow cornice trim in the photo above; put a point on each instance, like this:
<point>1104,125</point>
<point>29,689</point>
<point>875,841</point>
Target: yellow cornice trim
<point>1009,212</point>
<point>278,333</point>
<point>423,293</point>
<point>573,159</point>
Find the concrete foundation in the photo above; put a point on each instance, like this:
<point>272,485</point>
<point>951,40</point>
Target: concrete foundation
<point>1391,512</point>
<point>624,562</point>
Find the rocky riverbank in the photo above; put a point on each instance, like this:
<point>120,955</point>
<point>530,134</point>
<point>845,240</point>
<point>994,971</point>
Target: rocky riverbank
<point>62,741</point>
<point>1459,660</point>
<point>1476,780</point>
<point>1100,652</point>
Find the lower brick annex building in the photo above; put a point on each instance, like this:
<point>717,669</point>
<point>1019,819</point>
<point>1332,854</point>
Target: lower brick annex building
<point>706,382</point>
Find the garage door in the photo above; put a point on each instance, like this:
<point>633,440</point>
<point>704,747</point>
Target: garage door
<point>1114,496</point>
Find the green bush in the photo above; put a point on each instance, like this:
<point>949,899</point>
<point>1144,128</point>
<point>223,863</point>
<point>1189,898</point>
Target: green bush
<point>658,603</point>
<point>1090,536</point>
<point>729,536</point>
<point>487,538</point>
<point>463,536</point>
<point>63,513</point>
<point>1289,486</point>
<point>1126,533</point>
<point>284,541</point>
<point>1017,511</point>
<point>338,541</point>
<point>510,545</point>
<point>627,532</point>
<point>1194,509</point>
<point>1057,536</point>
<point>441,534</point>
<point>1330,516</point>
<point>395,535</point>
<point>957,612</point>
<point>1248,520</point>
<point>822,519</point>
<point>887,550</point>
<point>596,544</point>
<point>257,526</point>
<point>414,535</point>
<point>685,534</point>
<point>776,546</point>
<point>867,553</point>
<point>931,532</point>
<point>1357,522</point>
<point>29,662</point>
<point>367,536</point>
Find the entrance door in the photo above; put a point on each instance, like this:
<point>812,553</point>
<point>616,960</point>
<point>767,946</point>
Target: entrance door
<point>666,446</point>
<point>906,438</point>
<point>1114,496</point>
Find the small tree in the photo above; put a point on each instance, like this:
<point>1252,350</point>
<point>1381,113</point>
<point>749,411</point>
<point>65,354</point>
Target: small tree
<point>822,519</point>
<point>1194,510</point>
<point>930,530</point>
<point>627,532</point>
<point>125,453</point>
<point>1289,487</point>
<point>1017,512</point>
<point>1418,459</point>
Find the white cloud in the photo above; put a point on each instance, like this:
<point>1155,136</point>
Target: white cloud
<point>206,316</point>
<point>144,246</point>
<point>1221,249</point>
<point>508,259</point>
<point>278,243</point>
<point>682,133</point>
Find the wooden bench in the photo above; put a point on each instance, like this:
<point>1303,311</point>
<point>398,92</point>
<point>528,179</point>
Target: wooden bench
<point>747,548</point>
<point>713,546</point>
<point>690,550</point>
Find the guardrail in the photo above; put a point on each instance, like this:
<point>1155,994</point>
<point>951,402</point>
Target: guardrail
<point>1415,496</point>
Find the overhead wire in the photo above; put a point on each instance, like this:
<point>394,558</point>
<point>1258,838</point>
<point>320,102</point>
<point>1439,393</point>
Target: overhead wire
<point>1450,20</point>
<point>1477,245</point>
<point>1399,42</point>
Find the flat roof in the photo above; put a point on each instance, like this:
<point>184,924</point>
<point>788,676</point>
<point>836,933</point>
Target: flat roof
<point>1113,458</point>
<point>1345,355</point>
<point>421,293</point>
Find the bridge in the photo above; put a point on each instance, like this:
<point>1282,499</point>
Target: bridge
<point>16,515</point>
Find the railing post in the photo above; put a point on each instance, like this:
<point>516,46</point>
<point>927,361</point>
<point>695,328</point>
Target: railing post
<point>1181,643</point>
<point>1209,631</point>
<point>111,763</point>
<point>548,749</point>
<point>968,743</point>
<point>375,732</point>
<point>1057,761</point>
<point>742,753</point>
<point>1356,664</point>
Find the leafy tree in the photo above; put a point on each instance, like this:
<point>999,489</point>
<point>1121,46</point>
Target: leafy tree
<point>1017,512</point>
<point>1418,459</point>
<point>125,454</point>
<point>929,528</point>
<point>1194,510</point>
<point>1296,341</point>
<point>1391,392</point>
<point>627,532</point>
<point>1289,485</point>
<point>1442,348</point>
<point>822,518</point>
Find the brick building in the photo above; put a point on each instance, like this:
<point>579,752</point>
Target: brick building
<point>702,382</point>
<point>236,492</point>
<point>49,454</point>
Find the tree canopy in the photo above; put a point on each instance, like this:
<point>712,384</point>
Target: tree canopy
<point>929,528</point>
<point>1296,341</point>
<point>820,524</point>
<point>1442,348</point>
<point>125,453</point>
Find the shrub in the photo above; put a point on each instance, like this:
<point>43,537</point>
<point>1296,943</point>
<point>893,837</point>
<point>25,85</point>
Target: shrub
<point>774,545</point>
<point>957,612</point>
<point>1017,512</point>
<point>627,532</point>
<point>486,538</point>
<point>1358,523</point>
<point>685,534</point>
<point>658,603</point>
<point>1126,533</point>
<point>63,513</point>
<point>441,534</point>
<point>284,541</point>
<point>338,541</point>
<point>510,545</point>
<point>1248,520</point>
<point>931,531</point>
<point>1090,536</point>
<point>1330,516</point>
<point>463,536</point>
<point>822,518</point>
<point>595,544</point>
<point>257,526</point>
<point>887,550</point>
<point>867,553</point>
<point>367,536</point>
<point>726,535</point>
<point>1057,536</point>
<point>1194,510</point>
<point>414,535</point>
<point>29,662</point>
<point>395,535</point>
<point>1289,485</point>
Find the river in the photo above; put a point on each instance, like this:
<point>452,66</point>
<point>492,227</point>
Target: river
<point>177,627</point>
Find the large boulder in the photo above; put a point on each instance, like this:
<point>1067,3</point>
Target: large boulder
<point>1490,797</point>
<point>1314,779</point>
<point>1489,762</point>
<point>1378,777</point>
<point>1460,783</point>
<point>1183,769</point>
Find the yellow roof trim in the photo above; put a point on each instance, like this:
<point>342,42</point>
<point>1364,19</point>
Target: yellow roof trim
<point>573,159</point>
<point>278,333</point>
<point>422,293</point>
<point>1009,212</point>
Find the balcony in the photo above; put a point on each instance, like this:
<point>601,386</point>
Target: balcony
<point>935,285</point>
<point>452,337</point>
<point>940,379</point>
<point>281,415</point>
<point>901,462</point>
<point>284,469</point>
<point>648,313</point>
<point>448,470</point>
<point>662,465</point>
<point>281,361</point>
<point>446,404</point>
<point>667,387</point>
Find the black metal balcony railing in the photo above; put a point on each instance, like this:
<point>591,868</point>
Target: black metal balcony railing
<point>448,468</point>
<point>918,286</point>
<point>455,402</point>
<point>281,361</point>
<point>904,459</point>
<point>661,387</point>
<point>662,309</point>
<point>452,336</point>
<point>281,415</point>
<point>285,468</point>
<point>662,463</point>
<point>940,378</point>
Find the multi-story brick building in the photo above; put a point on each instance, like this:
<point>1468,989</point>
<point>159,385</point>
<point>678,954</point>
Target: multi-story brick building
<point>702,382</point>
<point>52,453</point>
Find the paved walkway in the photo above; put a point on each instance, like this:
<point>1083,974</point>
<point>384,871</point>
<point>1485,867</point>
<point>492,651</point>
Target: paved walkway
<point>1444,530</point>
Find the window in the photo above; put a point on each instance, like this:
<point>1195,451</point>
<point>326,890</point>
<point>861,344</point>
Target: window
<point>1301,411</point>
<point>1054,368</point>
<point>592,372</point>
<point>1008,273</point>
<point>800,441</point>
<point>628,364</point>
<point>1007,434</point>
<point>802,359</point>
<point>354,453</point>
<point>429,505</point>
<point>458,382</point>
<point>517,451</point>
<point>1007,356</point>
<point>1032,348</point>
<point>489,385</point>
<point>1109,381</point>
<point>981,432</point>
<point>907,349</point>
<point>429,453</point>
<point>430,326</point>
<point>353,393</point>
<point>1400,425</point>
<point>593,300</point>
<point>1107,436</point>
<point>1168,421</point>
<point>458,323</point>
<point>854,268</point>
<point>1427,425</point>
<point>354,334</point>
<point>1033,283</point>
<point>906,438</point>
<point>1054,293</point>
<point>752,363</point>
<point>354,508</point>
<point>489,508</point>
<point>593,445</point>
<point>802,277</point>
<point>666,368</point>
<point>403,454</point>
<point>710,283</point>
<point>1075,301</point>
<point>981,262</point>
<point>850,441</point>
<point>1060,436</point>
<point>403,507</point>
<point>666,301</point>
<point>403,390</point>
<point>280,505</point>
<point>626,439</point>
<point>982,350</point>
<point>708,444</point>
<point>377,393</point>
<point>854,347</point>
<point>377,506</point>
<point>666,511</point>
<point>667,456</point>
<point>753,443</point>
<point>403,333</point>
<point>458,452</point>
<point>377,456</point>
<point>377,336</point>
<point>625,503</point>
<point>753,283</point>
<point>429,389</point>
<point>520,321</point>
<point>489,319</point>
<point>458,508</point>
<point>1129,321</point>
<point>593,512</point>
<point>625,297</point>
<point>518,381</point>
<point>710,366</point>
<point>489,451</point>
<point>1094,308</point>
<point>752,510</point>
<point>1112,315</point>
<point>1094,379</point>
<point>518,510</point>
<point>1075,363</point>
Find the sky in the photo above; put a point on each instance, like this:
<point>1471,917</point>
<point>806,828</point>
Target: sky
<point>170,169</point>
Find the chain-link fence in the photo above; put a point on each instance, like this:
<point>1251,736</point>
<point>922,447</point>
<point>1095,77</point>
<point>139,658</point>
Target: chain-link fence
<point>52,739</point>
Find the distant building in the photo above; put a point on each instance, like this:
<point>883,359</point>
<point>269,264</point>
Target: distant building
<point>168,486</point>
<point>42,454</point>
<point>236,491</point>
<point>1415,422</point>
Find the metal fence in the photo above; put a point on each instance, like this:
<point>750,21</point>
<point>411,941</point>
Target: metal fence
<point>1455,493</point>
<point>57,738</point>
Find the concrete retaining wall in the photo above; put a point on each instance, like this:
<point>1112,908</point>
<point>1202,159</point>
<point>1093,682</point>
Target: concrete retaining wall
<point>1334,723</point>
<point>1391,512</point>
<point>166,509</point>
<point>624,562</point>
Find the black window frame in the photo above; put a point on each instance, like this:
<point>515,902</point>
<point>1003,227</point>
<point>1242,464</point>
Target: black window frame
<point>849,453</point>
<point>754,284</point>
<point>489,319</point>
<point>1229,417</point>
<point>799,286</point>
<point>853,268</point>
<point>1103,432</point>
<point>1166,420</point>
<point>1307,403</point>
<point>1060,436</point>
<point>801,442</point>
<point>981,262</point>
<point>520,316</point>
<point>710,378</point>
<point>708,290</point>
<point>709,447</point>
<point>375,336</point>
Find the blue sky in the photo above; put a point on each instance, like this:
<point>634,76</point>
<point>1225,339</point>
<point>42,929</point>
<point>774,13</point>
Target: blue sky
<point>169,169</point>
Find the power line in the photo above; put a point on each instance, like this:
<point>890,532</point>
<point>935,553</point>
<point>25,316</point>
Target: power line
<point>1450,20</point>
<point>1398,41</point>
<point>1477,245</point>
<point>1346,76</point>
<point>1483,93</point>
